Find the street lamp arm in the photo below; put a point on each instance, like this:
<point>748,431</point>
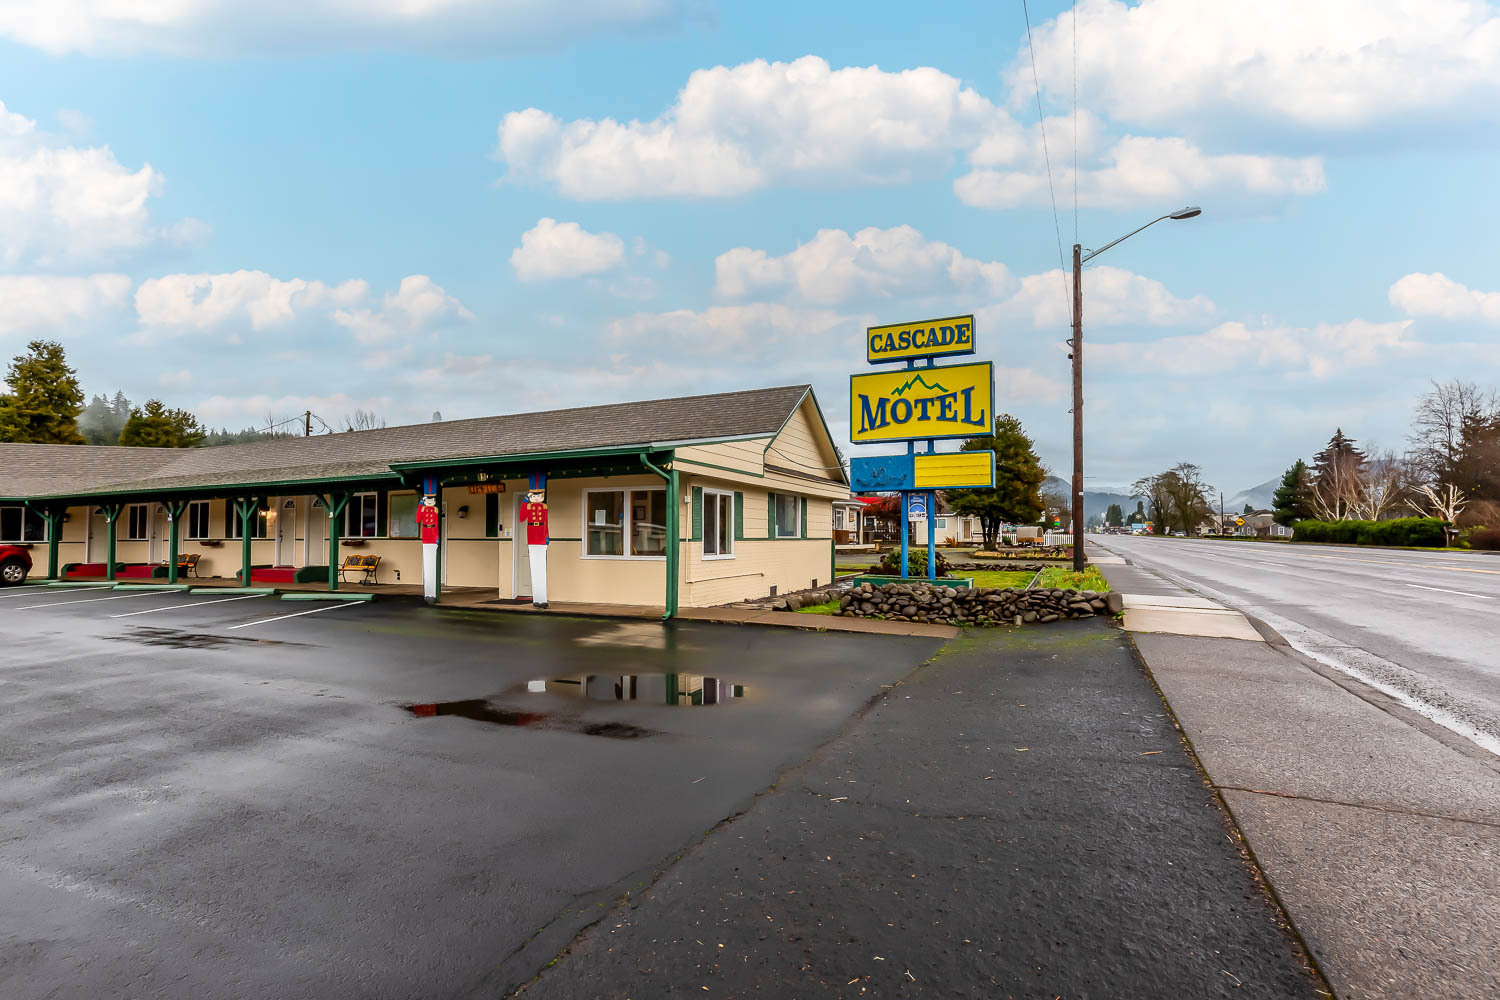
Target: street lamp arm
<point>1094,253</point>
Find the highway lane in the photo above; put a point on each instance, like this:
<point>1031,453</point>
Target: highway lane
<point>1424,626</point>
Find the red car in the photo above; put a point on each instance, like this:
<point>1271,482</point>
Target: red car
<point>15,563</point>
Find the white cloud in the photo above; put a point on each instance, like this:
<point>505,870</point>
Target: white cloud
<point>242,411</point>
<point>745,331</point>
<point>1112,296</point>
<point>834,268</point>
<point>58,304</point>
<point>417,305</point>
<point>1321,351</point>
<point>175,380</point>
<point>1334,64</point>
<point>62,203</point>
<point>1438,295</point>
<point>553,249</point>
<point>179,303</point>
<point>737,129</point>
<point>214,27</point>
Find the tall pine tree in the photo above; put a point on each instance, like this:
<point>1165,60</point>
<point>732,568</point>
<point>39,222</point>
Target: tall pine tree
<point>155,426</point>
<point>1337,478</point>
<point>44,400</point>
<point>1291,502</point>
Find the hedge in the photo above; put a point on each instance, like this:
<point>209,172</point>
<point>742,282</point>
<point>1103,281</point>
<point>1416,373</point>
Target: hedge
<point>1420,531</point>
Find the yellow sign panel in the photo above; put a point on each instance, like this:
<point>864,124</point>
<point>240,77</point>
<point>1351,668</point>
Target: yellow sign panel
<point>927,338</point>
<point>961,469</point>
<point>916,403</point>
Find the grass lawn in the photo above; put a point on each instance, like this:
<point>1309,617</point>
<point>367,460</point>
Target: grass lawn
<point>1089,579</point>
<point>831,608</point>
<point>1000,577</point>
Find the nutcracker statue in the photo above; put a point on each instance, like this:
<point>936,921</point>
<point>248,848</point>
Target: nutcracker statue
<point>534,516</point>
<point>428,518</point>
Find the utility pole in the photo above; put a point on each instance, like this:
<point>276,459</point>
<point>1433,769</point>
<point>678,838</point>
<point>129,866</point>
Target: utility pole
<point>1221,512</point>
<point>1077,345</point>
<point>307,424</point>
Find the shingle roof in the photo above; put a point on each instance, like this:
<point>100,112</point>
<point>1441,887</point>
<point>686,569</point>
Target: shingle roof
<point>78,470</point>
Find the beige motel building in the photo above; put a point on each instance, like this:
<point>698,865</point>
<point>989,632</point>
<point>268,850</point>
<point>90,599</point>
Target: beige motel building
<point>687,502</point>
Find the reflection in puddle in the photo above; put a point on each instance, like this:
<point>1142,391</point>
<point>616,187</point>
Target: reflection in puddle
<point>658,689</point>
<point>482,710</point>
<point>173,639</point>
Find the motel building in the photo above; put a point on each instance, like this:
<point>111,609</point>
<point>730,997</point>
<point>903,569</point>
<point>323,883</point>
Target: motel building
<point>687,502</point>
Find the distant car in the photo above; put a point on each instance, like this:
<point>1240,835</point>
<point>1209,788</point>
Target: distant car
<point>1179,534</point>
<point>15,563</point>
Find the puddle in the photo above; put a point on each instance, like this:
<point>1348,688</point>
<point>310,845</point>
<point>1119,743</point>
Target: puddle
<point>679,690</point>
<point>172,639</point>
<point>483,710</point>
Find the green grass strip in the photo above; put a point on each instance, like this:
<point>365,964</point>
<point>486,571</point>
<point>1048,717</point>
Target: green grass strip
<point>335,595</point>
<point>80,583</point>
<point>233,590</point>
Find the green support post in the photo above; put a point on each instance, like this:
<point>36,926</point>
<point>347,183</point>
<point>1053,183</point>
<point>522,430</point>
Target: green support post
<point>674,530</point>
<point>244,509</point>
<point>175,510</point>
<point>54,532</point>
<point>334,503</point>
<point>111,516</point>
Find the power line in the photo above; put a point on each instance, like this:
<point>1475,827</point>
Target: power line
<point>1047,158</point>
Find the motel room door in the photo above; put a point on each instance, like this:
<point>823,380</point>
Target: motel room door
<point>96,546</point>
<point>286,533</point>
<point>160,541</point>
<point>522,577</point>
<point>317,534</point>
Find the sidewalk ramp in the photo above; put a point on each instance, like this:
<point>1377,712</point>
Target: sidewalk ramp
<point>1184,615</point>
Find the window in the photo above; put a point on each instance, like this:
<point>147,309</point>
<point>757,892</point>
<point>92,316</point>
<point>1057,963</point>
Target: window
<point>257,522</point>
<point>18,524</point>
<point>402,518</point>
<point>137,522</point>
<point>942,522</point>
<point>197,519</point>
<point>838,517</point>
<point>360,516</point>
<point>788,516</point>
<point>718,524</point>
<point>613,516</point>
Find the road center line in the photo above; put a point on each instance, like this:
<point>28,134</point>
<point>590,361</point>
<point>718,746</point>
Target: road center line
<point>294,614</point>
<point>1460,593</point>
<point>91,600</point>
<point>191,604</point>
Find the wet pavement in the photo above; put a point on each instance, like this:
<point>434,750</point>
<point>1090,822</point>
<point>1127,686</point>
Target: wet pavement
<point>1019,819</point>
<point>229,800</point>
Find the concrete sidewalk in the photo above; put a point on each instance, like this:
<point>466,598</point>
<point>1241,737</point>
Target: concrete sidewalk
<point>1017,819</point>
<point>1378,830</point>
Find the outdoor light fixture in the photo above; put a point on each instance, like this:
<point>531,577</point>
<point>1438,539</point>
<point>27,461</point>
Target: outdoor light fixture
<point>463,511</point>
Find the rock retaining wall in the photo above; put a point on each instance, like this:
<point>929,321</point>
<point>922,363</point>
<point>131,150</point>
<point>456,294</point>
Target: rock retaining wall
<point>921,602</point>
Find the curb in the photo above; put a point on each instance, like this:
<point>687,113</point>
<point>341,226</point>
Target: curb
<point>164,587</point>
<point>232,590</point>
<point>311,595</point>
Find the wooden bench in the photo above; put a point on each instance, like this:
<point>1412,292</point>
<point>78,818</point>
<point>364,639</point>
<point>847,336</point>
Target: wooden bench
<point>187,563</point>
<point>366,566</point>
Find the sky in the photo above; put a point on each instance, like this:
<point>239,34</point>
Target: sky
<point>254,209</point>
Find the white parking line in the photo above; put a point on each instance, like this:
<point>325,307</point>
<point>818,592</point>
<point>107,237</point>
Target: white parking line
<point>191,604</point>
<point>294,614</point>
<point>22,591</point>
<point>91,600</point>
<point>1460,593</point>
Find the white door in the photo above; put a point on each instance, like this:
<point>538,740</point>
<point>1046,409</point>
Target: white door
<point>96,548</point>
<point>522,550</point>
<point>286,533</point>
<point>159,540</point>
<point>317,535</point>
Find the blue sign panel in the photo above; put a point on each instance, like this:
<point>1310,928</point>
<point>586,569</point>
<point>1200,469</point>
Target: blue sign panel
<point>880,473</point>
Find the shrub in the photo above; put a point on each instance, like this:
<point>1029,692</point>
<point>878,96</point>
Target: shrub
<point>916,563</point>
<point>1401,531</point>
<point>1485,538</point>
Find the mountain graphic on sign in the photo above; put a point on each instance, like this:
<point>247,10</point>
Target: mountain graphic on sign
<point>919,380</point>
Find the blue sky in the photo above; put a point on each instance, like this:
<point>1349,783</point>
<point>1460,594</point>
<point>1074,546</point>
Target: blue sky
<point>249,210</point>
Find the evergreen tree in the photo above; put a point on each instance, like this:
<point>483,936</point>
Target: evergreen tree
<point>1248,509</point>
<point>1018,480</point>
<point>1291,501</point>
<point>103,419</point>
<point>1114,517</point>
<point>44,400</point>
<point>1138,516</point>
<point>155,426</point>
<point>1336,478</point>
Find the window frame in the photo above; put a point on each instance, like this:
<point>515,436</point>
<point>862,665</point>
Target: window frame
<point>627,524</point>
<point>794,522</point>
<point>349,509</point>
<point>259,525</point>
<point>390,514</point>
<point>711,492</point>
<point>130,526</point>
<point>28,518</point>
<point>188,516</point>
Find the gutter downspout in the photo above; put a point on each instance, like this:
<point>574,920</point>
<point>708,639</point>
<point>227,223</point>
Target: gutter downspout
<point>674,530</point>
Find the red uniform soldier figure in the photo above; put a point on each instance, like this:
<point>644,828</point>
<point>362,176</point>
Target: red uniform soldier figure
<point>534,516</point>
<point>427,520</point>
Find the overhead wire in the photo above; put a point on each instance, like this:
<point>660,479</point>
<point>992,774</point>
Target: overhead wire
<point>1062,267</point>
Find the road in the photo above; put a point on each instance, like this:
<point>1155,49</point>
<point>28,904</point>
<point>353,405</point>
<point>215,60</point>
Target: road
<point>1421,626</point>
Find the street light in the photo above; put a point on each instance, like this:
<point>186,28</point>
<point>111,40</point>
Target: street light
<point>1079,259</point>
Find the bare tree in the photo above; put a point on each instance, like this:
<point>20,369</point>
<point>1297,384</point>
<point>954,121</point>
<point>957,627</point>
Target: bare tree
<point>363,420</point>
<point>1442,501</point>
<point>1336,480</point>
<point>1188,495</point>
<point>1439,423</point>
<point>1153,489</point>
<point>1382,486</point>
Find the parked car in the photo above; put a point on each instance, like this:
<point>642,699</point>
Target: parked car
<point>15,563</point>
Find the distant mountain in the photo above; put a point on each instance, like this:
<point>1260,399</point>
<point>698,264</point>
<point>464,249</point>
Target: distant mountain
<point>1258,497</point>
<point>1095,502</point>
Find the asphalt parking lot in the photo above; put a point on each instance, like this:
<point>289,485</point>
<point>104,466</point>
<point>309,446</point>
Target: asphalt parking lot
<point>242,797</point>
